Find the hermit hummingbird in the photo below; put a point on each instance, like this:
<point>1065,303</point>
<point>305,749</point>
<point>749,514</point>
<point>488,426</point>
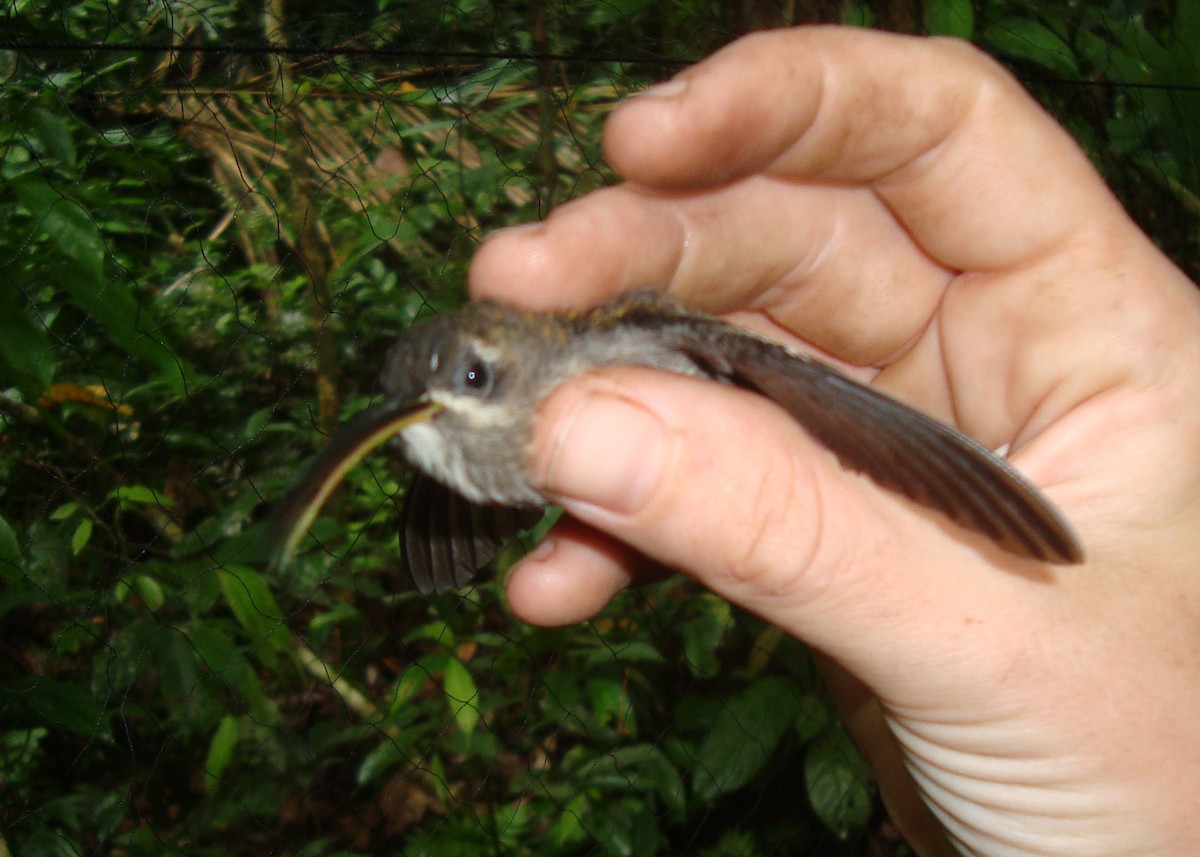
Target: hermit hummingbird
<point>461,392</point>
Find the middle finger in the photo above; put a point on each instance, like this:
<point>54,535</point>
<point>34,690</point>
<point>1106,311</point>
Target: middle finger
<point>829,260</point>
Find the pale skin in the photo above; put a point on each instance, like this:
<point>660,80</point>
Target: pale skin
<point>902,206</point>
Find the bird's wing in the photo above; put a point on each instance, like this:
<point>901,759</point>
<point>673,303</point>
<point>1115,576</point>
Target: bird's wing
<point>897,446</point>
<point>447,539</point>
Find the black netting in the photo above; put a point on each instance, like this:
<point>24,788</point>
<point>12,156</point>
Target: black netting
<point>216,216</point>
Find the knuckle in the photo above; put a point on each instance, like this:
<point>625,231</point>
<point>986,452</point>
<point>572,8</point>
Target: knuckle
<point>782,524</point>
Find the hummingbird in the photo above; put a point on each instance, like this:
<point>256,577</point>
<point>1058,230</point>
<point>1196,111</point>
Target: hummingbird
<point>461,390</point>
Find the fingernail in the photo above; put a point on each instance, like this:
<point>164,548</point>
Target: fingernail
<point>606,452</point>
<point>667,89</point>
<point>542,550</point>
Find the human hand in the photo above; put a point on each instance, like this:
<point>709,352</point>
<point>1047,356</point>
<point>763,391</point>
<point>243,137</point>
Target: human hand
<point>902,206</point>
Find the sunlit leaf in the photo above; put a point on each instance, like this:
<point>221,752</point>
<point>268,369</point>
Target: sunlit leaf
<point>220,753</point>
<point>461,694</point>
<point>64,511</point>
<point>149,591</point>
<point>81,536</point>
<point>128,494</point>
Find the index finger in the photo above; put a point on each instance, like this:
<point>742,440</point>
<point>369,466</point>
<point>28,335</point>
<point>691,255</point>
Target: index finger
<point>827,105</point>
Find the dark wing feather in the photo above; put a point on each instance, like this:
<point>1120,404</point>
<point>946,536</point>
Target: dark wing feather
<point>448,539</point>
<point>897,446</point>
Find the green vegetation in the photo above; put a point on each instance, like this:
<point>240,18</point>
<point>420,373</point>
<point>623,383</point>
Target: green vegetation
<point>206,250</point>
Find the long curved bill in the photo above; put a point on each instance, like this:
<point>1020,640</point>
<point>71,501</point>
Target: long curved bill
<point>348,446</point>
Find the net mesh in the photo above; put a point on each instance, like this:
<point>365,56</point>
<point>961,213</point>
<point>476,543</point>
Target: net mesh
<point>216,217</point>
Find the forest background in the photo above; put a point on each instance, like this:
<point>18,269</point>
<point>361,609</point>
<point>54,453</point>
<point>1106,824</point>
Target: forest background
<point>217,215</point>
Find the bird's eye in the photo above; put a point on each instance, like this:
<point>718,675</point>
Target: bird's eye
<point>476,377</point>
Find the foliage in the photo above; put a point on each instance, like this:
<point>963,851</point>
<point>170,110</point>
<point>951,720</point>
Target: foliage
<point>186,231</point>
<point>1132,98</point>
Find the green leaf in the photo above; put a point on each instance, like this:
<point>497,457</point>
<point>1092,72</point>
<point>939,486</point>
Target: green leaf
<point>255,607</point>
<point>839,785</point>
<point>462,694</point>
<point>642,769</point>
<point>26,360</point>
<point>410,681</point>
<point>19,750</point>
<point>81,536</point>
<point>68,226</point>
<point>256,422</point>
<point>857,15</point>
<point>10,548</point>
<point>608,700</point>
<point>71,230</point>
<point>743,737</point>
<point>437,779</point>
<point>569,827</point>
<point>54,135</point>
<point>703,634</point>
<point>1026,39</point>
<point>129,494</point>
<point>812,717</point>
<point>54,704</point>
<point>627,827</point>
<point>149,590</point>
<point>628,652</point>
<point>394,751</point>
<point>949,18</point>
<point>178,673</point>
<point>437,632</point>
<point>64,511</point>
<point>227,662</point>
<point>220,752</point>
<point>214,647</point>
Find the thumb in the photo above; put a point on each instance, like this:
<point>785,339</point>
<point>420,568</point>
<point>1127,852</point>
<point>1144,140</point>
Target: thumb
<point>723,485</point>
